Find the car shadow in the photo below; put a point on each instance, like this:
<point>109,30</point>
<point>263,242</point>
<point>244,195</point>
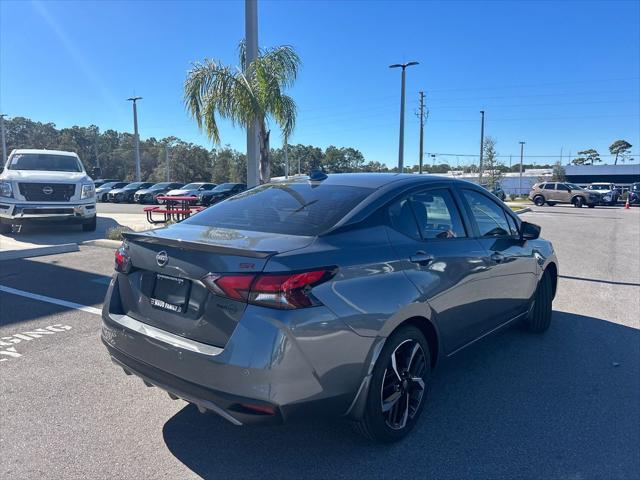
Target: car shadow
<point>559,405</point>
<point>60,234</point>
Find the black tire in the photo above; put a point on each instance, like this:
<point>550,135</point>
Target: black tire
<point>91,225</point>
<point>538,200</point>
<point>591,206</point>
<point>578,202</point>
<point>551,204</point>
<point>410,387</point>
<point>5,228</point>
<point>540,317</point>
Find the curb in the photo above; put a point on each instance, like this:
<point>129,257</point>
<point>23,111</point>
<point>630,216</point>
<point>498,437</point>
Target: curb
<point>39,251</point>
<point>101,242</point>
<point>522,210</point>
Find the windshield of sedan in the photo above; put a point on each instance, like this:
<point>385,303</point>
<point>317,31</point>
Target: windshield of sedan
<point>135,185</point>
<point>223,187</point>
<point>45,162</point>
<point>600,187</point>
<point>191,186</point>
<point>573,186</point>
<point>160,186</point>
<point>291,209</point>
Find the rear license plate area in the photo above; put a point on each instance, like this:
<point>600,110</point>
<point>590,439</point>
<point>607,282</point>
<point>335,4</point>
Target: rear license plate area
<point>170,293</point>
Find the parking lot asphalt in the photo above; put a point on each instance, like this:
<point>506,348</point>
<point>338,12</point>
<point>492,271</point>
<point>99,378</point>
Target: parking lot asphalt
<point>565,404</point>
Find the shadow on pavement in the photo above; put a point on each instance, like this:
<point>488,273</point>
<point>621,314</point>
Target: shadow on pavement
<point>71,282</point>
<point>59,234</point>
<point>559,405</point>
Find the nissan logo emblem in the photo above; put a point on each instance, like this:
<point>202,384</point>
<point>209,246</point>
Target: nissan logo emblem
<point>47,190</point>
<point>162,258</point>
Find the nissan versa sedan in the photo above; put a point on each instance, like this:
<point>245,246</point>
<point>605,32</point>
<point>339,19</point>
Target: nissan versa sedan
<point>328,294</point>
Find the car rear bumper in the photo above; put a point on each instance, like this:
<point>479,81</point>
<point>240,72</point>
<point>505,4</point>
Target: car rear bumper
<point>262,368</point>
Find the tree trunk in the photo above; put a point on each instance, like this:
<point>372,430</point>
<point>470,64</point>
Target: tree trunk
<point>265,161</point>
<point>616,162</point>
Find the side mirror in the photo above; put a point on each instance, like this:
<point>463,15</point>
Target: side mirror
<point>529,231</point>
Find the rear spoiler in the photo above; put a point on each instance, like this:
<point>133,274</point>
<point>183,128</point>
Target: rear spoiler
<point>203,246</point>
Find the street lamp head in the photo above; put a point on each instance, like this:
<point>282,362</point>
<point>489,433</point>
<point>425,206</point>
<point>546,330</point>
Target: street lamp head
<point>522,143</point>
<point>403,65</point>
<point>133,99</point>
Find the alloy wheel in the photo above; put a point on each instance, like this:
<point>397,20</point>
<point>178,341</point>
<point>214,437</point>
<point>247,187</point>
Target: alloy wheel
<point>403,384</point>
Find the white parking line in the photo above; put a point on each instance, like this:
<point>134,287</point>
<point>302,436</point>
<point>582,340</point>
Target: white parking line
<point>55,301</point>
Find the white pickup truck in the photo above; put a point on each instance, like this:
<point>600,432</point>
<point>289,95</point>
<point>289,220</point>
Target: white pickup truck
<point>46,186</point>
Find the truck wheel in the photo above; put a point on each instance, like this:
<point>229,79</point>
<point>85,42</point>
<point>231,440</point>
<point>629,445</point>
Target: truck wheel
<point>5,228</point>
<point>538,200</point>
<point>91,225</point>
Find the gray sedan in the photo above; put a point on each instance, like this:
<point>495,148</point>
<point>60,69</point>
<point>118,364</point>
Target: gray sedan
<point>334,295</point>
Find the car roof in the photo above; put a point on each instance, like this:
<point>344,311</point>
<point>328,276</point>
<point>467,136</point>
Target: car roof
<point>373,179</point>
<point>45,152</point>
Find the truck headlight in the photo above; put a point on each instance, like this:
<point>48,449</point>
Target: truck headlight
<point>88,191</point>
<point>6,190</point>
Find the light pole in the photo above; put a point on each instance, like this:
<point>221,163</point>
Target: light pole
<point>521,159</point>
<point>137,137</point>
<point>401,143</point>
<point>4,140</point>
<point>481,145</point>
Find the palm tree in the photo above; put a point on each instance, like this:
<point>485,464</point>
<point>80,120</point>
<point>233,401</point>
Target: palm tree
<point>244,94</point>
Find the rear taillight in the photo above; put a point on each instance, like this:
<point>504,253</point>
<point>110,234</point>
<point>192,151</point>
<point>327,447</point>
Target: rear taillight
<point>283,291</point>
<point>123,261</point>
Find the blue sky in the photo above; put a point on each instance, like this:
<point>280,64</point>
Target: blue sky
<point>554,74</point>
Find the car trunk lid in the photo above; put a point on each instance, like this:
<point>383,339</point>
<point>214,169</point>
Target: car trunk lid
<point>164,286</point>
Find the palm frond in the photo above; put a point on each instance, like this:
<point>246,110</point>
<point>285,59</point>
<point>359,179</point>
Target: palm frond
<point>282,63</point>
<point>212,89</point>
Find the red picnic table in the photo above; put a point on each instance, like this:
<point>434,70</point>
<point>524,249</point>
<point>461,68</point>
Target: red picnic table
<point>175,208</point>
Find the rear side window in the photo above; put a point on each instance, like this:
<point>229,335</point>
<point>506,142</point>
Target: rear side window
<point>549,186</point>
<point>286,208</point>
<point>490,217</point>
<point>437,215</point>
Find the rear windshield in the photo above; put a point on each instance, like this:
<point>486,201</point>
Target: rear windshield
<point>291,209</point>
<point>46,162</point>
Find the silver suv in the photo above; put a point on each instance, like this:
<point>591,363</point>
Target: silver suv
<point>552,193</point>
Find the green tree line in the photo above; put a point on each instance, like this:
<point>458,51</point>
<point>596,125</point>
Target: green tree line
<point>113,152</point>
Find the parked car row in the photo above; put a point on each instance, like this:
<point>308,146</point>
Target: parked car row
<point>597,193</point>
<point>203,193</point>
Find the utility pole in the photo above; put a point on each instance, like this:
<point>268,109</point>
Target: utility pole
<point>421,129</point>
<point>167,164</point>
<point>4,140</point>
<point>521,159</point>
<point>481,145</point>
<point>137,136</point>
<point>401,142</point>
<point>561,148</point>
<point>251,45</point>
<point>509,163</point>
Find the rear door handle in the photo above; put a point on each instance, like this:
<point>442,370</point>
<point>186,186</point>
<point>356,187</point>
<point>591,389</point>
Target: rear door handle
<point>497,257</point>
<point>421,258</point>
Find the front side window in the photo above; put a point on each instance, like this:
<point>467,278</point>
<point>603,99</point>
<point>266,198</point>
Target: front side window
<point>490,217</point>
<point>44,162</point>
<point>563,187</point>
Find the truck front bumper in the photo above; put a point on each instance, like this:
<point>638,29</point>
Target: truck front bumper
<point>20,213</point>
